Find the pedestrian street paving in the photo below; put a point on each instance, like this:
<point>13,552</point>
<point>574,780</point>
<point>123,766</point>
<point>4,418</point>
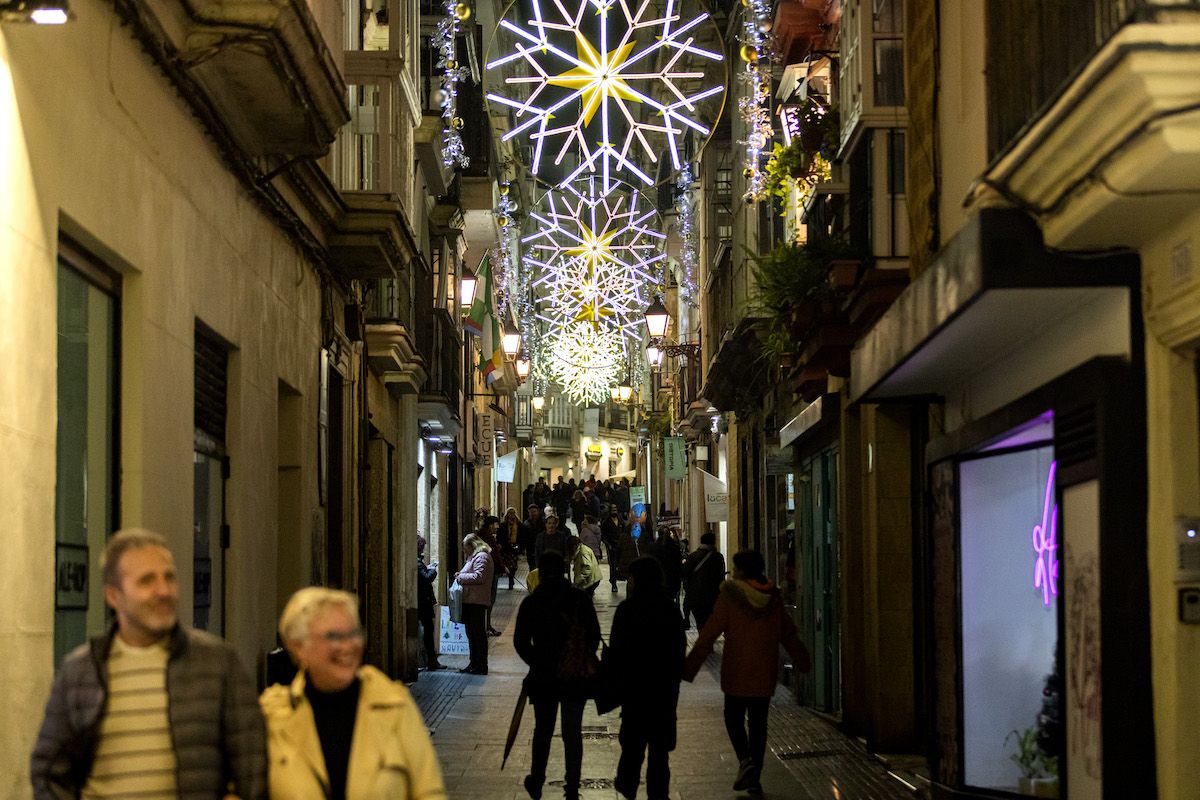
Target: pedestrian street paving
<point>469,717</point>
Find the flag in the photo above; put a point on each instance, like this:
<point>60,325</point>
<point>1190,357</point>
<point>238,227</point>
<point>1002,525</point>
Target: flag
<point>481,322</point>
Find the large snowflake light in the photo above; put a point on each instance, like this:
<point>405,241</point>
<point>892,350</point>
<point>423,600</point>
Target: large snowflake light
<point>595,256</point>
<point>587,363</point>
<point>605,86</point>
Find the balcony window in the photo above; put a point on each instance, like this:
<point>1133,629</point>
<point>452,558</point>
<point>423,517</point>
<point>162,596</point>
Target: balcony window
<point>358,157</point>
<point>889,72</point>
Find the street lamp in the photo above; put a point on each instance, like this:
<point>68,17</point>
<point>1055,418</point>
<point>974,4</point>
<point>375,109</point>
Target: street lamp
<point>523,365</point>
<point>39,12</point>
<point>654,354</point>
<point>466,287</point>
<point>657,319</point>
<point>510,340</point>
<point>624,392</point>
<point>538,402</point>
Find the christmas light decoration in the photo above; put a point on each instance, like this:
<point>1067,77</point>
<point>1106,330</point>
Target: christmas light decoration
<point>607,86</point>
<point>689,253</point>
<point>585,362</point>
<point>755,104</point>
<point>596,255</point>
<point>445,38</point>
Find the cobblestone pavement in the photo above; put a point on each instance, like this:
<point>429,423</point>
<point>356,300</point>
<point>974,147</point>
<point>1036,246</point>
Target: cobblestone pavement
<point>469,717</point>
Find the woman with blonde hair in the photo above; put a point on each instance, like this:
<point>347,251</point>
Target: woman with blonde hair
<point>342,730</point>
<point>475,578</point>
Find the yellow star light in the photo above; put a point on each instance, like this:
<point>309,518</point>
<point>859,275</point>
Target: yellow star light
<point>593,249</point>
<point>597,76</point>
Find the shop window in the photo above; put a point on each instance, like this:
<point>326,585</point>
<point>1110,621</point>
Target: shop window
<point>1009,586</point>
<point>85,502</point>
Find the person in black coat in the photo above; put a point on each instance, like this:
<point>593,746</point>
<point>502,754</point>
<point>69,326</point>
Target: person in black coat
<point>703,572</point>
<point>610,534</point>
<point>670,557</point>
<point>646,649</point>
<point>544,623</point>
<point>426,603</point>
<point>533,526</point>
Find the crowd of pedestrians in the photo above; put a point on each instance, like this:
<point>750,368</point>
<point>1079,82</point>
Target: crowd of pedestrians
<point>154,709</point>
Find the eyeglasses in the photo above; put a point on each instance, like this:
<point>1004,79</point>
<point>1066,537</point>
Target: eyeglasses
<point>339,637</point>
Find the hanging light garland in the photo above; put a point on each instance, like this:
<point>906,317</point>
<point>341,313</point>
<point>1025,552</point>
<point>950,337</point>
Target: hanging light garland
<point>689,251</point>
<point>755,105</point>
<point>611,98</point>
<point>505,214</point>
<point>445,39</point>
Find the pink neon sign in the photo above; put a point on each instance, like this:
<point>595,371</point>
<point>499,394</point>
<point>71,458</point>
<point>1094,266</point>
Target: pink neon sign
<point>1045,542</point>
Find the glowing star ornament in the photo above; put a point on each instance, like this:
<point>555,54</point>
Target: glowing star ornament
<point>585,362</point>
<point>605,87</point>
<point>595,256</point>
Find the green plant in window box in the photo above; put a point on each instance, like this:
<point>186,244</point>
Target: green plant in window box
<point>794,288</point>
<point>1039,772</point>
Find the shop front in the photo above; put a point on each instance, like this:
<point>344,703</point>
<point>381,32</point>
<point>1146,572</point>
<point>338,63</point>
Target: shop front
<point>808,546</point>
<point>1036,501</point>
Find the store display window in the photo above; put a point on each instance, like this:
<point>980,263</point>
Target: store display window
<point>1009,560</point>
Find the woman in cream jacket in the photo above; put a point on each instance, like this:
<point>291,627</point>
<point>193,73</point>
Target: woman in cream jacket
<point>342,731</point>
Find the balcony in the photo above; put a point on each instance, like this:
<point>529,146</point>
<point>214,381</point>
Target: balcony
<point>441,346</point>
<point>257,70</point>
<point>372,237</point>
<point>557,440</point>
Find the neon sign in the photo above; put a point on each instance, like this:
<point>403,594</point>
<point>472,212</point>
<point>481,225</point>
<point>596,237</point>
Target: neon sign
<point>1045,542</point>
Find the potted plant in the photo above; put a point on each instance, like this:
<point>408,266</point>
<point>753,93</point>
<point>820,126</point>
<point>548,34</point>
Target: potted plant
<point>794,291</point>
<point>1038,773</point>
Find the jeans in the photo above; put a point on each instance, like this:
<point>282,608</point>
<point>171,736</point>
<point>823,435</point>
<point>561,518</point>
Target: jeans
<point>545,712</point>
<point>613,556</point>
<point>736,711</point>
<point>647,730</point>
<point>475,620</point>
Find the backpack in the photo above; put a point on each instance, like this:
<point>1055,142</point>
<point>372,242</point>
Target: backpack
<point>577,664</point>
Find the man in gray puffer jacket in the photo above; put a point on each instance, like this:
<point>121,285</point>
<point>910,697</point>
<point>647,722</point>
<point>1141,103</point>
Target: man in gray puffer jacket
<point>150,709</point>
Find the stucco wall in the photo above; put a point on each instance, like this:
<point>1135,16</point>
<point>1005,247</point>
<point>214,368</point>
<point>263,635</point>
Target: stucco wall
<point>1172,335</point>
<point>95,141</point>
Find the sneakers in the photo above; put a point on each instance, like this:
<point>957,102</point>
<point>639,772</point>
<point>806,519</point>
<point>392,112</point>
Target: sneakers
<point>747,776</point>
<point>533,787</point>
<point>629,792</point>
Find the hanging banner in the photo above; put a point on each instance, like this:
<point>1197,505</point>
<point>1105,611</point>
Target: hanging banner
<point>674,458</point>
<point>591,422</point>
<point>716,499</point>
<point>506,467</point>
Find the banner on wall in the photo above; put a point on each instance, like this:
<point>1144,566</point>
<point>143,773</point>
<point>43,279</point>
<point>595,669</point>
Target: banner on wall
<point>506,467</point>
<point>674,458</point>
<point>591,422</point>
<point>716,498</point>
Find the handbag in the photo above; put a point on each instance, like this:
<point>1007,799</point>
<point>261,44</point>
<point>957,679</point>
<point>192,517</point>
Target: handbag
<point>607,691</point>
<point>454,601</point>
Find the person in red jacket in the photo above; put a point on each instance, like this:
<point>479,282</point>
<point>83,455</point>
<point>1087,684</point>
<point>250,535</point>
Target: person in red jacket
<point>750,614</point>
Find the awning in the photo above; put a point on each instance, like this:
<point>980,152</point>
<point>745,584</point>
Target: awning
<point>996,309</point>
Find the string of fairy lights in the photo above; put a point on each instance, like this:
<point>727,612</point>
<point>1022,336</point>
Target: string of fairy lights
<point>755,104</point>
<point>445,41</point>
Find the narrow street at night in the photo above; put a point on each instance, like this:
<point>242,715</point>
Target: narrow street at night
<point>808,758</point>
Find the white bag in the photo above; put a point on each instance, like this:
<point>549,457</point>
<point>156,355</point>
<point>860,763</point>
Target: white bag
<point>454,601</point>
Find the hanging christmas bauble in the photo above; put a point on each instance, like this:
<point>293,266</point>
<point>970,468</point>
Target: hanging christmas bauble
<point>440,97</point>
<point>501,220</point>
<point>746,3</point>
<point>452,64</point>
<point>504,188</point>
<point>749,53</point>
<point>463,12</point>
<point>764,25</point>
<point>748,198</point>
<point>456,123</point>
<point>747,173</point>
